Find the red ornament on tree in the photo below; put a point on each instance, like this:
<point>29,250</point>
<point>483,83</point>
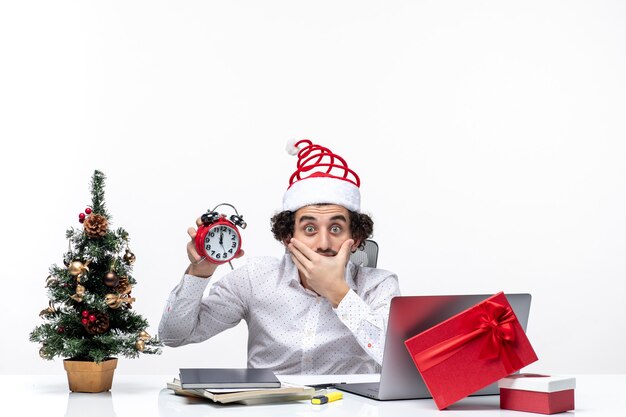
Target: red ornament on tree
<point>92,318</point>
<point>85,313</point>
<point>84,321</point>
<point>82,216</point>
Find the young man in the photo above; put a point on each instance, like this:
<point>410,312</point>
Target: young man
<point>311,312</point>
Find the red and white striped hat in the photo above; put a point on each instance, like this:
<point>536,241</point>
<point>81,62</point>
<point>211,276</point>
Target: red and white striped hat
<point>321,176</point>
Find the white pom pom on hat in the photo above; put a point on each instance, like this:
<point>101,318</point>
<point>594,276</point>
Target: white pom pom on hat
<point>321,177</point>
<point>291,147</point>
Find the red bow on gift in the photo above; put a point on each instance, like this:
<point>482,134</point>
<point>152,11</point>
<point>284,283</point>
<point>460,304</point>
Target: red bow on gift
<point>494,323</point>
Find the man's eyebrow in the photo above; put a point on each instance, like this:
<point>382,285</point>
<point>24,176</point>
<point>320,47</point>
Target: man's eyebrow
<point>314,219</point>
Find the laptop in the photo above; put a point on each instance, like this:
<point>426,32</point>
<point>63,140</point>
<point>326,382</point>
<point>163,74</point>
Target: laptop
<point>408,316</point>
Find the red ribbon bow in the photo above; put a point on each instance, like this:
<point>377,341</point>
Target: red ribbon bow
<point>494,323</point>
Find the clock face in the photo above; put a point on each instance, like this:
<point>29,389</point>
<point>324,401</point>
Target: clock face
<point>221,243</point>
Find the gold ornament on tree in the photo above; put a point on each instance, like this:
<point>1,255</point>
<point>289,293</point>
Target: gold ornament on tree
<point>78,269</point>
<point>95,225</point>
<point>123,290</point>
<point>80,292</point>
<point>50,280</point>
<point>140,345</point>
<point>50,310</point>
<point>142,338</point>
<point>116,300</point>
<point>129,257</point>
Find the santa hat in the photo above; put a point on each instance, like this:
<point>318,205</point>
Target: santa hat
<point>321,176</point>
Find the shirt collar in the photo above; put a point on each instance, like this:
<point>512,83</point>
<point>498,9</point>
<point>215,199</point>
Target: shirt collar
<point>351,272</point>
<point>290,271</point>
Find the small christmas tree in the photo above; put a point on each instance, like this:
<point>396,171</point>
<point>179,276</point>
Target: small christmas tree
<point>89,316</point>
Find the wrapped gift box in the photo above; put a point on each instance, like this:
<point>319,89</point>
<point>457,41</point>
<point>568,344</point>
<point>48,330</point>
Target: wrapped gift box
<point>535,393</point>
<point>470,350</point>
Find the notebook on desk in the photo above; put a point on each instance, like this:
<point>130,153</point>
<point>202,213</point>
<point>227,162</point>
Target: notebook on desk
<point>408,316</point>
<point>208,378</point>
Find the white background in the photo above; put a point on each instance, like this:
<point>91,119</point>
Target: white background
<point>489,137</point>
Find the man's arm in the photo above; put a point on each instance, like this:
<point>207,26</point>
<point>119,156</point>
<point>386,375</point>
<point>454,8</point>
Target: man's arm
<point>190,318</point>
<point>365,314</point>
<point>187,317</point>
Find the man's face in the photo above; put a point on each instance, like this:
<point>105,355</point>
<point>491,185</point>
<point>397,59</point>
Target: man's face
<point>323,228</point>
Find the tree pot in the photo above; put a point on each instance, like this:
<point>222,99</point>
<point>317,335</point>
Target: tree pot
<point>86,376</point>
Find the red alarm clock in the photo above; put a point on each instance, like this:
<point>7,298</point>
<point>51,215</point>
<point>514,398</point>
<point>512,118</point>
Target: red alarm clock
<point>218,239</point>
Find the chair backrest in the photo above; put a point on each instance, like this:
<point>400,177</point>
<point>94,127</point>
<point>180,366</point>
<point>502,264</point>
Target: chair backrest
<point>368,256</point>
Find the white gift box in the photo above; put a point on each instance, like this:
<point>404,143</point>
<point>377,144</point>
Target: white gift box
<point>537,382</point>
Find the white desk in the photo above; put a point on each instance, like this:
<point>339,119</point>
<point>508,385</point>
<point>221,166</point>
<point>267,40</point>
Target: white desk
<point>145,396</point>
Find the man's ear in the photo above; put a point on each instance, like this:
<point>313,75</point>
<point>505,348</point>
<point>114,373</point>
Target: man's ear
<point>355,246</point>
<point>286,240</point>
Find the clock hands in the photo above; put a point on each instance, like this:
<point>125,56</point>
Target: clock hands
<point>222,245</point>
<point>222,241</point>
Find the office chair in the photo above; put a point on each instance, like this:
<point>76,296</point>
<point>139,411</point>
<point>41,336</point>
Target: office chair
<point>368,256</point>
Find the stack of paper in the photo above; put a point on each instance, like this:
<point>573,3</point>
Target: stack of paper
<point>286,392</point>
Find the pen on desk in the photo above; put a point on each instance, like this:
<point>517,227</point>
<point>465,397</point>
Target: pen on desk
<point>322,386</point>
<point>330,397</point>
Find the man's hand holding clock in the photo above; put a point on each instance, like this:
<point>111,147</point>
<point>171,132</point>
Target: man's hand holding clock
<point>200,266</point>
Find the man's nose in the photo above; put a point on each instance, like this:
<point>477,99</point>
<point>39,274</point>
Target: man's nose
<point>323,240</point>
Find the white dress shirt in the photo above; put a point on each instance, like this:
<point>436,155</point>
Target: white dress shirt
<point>292,330</point>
